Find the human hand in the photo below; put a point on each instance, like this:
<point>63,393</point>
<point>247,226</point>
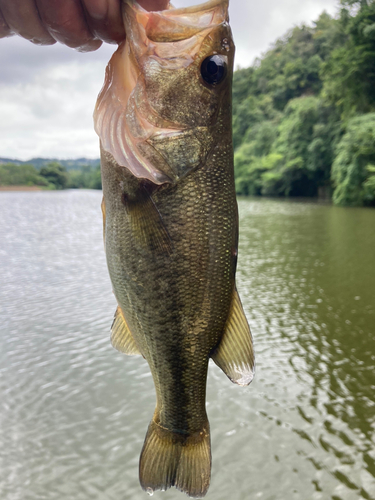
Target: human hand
<point>80,24</point>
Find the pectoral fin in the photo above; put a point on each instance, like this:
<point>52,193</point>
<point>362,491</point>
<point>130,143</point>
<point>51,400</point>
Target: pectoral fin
<point>121,337</point>
<point>235,353</point>
<point>147,224</point>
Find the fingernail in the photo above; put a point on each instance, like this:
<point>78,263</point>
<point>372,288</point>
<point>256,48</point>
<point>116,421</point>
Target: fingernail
<point>89,47</point>
<point>97,9</point>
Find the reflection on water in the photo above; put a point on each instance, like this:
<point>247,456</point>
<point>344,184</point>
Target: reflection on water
<point>74,412</point>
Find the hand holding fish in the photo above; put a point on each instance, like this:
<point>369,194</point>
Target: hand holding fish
<point>82,25</point>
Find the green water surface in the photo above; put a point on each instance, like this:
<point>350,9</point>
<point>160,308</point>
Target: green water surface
<point>74,412</point>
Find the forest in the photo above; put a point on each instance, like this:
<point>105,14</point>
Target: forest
<point>304,113</point>
<point>51,175</point>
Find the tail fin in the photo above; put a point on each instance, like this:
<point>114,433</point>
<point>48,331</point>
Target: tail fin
<point>172,459</point>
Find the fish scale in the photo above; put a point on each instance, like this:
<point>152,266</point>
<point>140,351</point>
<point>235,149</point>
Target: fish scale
<point>200,267</point>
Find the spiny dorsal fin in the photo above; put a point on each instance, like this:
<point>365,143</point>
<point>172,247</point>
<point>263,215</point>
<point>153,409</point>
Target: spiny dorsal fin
<point>121,337</point>
<point>235,353</point>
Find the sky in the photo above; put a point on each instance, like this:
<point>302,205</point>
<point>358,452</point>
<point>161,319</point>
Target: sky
<point>48,94</point>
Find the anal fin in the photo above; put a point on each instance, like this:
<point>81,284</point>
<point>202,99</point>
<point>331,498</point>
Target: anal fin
<point>121,337</point>
<point>235,353</point>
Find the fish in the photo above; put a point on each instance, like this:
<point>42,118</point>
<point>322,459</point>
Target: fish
<point>170,222</point>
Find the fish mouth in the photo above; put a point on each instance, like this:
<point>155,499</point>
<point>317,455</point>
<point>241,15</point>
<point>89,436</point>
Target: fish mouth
<point>177,24</point>
<point>193,9</point>
<point>211,4</point>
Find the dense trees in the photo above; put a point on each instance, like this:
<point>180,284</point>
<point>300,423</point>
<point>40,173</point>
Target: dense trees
<point>353,170</point>
<point>17,175</point>
<point>86,177</point>
<point>53,175</point>
<point>303,120</point>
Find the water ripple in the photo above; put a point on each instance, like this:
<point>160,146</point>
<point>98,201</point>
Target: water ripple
<point>74,412</point>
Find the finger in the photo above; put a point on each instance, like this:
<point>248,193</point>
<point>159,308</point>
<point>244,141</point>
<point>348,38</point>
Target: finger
<point>4,28</point>
<point>105,20</point>
<point>154,4</point>
<point>21,17</point>
<point>67,24</point>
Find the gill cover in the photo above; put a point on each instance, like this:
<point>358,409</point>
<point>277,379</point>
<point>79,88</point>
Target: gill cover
<point>132,117</point>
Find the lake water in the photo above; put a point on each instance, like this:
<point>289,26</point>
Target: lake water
<point>74,412</point>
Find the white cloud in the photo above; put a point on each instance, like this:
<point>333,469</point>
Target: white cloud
<point>47,100</point>
<point>48,94</point>
<point>256,25</point>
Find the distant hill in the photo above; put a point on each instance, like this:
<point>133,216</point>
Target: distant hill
<point>40,162</point>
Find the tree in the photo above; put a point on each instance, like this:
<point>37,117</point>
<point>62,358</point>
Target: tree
<point>55,174</point>
<point>297,110</point>
<point>349,72</point>
<point>20,175</point>
<point>353,169</point>
<point>87,177</point>
<point>307,135</point>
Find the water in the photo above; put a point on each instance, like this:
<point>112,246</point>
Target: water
<point>74,412</point>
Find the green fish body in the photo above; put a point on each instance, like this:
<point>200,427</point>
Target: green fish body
<point>171,225</point>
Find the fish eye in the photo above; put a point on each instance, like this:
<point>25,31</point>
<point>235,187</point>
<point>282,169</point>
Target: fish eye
<point>214,69</point>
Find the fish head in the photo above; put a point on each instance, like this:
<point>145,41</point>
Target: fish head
<point>185,59</point>
<point>168,88</point>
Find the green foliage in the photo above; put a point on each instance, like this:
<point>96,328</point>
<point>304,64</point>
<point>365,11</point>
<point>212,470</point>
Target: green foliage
<point>296,128</point>
<point>52,176</point>
<point>20,175</point>
<point>250,170</point>
<point>349,73</point>
<point>55,174</point>
<point>294,111</point>
<point>353,171</point>
<point>369,186</point>
<point>289,70</point>
<point>252,159</point>
<point>291,156</point>
<point>280,181</point>
<point>87,177</point>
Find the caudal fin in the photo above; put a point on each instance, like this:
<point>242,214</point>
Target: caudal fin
<point>172,459</point>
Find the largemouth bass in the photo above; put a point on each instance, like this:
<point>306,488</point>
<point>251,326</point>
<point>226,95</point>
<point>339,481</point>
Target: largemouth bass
<point>171,224</point>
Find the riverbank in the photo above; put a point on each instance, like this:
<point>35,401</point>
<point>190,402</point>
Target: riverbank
<point>20,188</point>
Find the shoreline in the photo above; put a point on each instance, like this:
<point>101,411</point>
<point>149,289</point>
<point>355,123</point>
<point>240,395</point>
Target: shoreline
<point>21,188</point>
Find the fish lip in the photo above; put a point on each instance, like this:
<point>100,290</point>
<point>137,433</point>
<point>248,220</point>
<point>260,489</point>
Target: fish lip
<point>197,8</point>
<point>177,26</point>
<point>184,10</point>
<point>196,18</point>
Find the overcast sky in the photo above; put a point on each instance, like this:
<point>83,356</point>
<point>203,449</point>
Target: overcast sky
<point>48,94</point>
